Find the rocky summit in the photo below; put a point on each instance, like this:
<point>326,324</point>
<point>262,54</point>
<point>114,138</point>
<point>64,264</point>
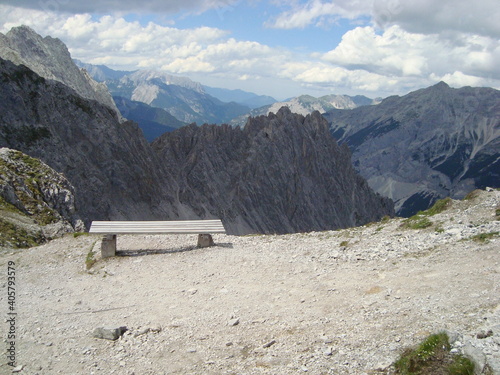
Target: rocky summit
<point>49,57</point>
<point>281,173</point>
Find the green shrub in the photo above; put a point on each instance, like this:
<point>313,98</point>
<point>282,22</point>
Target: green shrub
<point>437,208</point>
<point>461,366</point>
<point>431,357</point>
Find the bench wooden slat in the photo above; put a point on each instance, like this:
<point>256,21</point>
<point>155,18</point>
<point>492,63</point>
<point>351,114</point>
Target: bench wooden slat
<point>158,227</point>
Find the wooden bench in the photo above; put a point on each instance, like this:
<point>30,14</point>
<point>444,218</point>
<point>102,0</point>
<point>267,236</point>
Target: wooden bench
<point>111,229</point>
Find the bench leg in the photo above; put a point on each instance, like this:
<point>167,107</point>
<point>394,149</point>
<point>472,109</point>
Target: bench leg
<point>108,246</point>
<point>205,240</point>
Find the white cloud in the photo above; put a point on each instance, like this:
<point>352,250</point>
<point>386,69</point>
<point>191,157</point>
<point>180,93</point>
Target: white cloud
<point>120,6</point>
<point>424,16</point>
<point>478,17</point>
<point>459,79</point>
<point>368,60</point>
<point>398,53</point>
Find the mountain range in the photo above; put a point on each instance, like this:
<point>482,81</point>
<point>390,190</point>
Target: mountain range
<point>190,101</point>
<point>280,173</point>
<point>429,144</point>
<point>305,104</point>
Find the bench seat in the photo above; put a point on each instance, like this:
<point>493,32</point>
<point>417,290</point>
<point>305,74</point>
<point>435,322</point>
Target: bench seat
<point>112,228</point>
<point>157,227</point>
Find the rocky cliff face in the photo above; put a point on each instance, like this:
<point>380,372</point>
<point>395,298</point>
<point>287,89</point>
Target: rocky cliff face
<point>426,145</point>
<point>281,173</point>
<point>114,171</point>
<point>50,58</point>
<point>36,202</point>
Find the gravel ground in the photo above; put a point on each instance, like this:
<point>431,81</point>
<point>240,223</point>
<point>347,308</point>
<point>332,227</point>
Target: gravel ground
<point>339,302</point>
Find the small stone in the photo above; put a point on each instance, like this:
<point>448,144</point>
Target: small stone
<point>328,351</point>
<point>18,368</point>
<point>484,335</point>
<point>156,328</point>
<point>141,332</point>
<point>234,322</point>
<point>269,344</point>
<point>229,344</point>
<point>109,333</point>
<point>191,350</point>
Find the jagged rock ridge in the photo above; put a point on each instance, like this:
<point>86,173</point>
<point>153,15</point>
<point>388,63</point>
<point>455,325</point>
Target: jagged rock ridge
<point>426,145</point>
<point>281,173</point>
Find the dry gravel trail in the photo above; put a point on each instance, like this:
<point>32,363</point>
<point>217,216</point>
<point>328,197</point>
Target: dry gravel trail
<point>338,302</point>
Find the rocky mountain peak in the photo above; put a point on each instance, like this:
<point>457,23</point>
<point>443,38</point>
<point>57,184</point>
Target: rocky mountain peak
<point>426,145</point>
<point>49,58</point>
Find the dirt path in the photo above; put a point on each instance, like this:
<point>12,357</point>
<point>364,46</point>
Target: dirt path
<point>344,302</point>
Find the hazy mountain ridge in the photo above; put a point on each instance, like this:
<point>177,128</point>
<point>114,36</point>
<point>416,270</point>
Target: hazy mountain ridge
<point>239,96</point>
<point>306,104</point>
<point>426,145</point>
<point>183,98</point>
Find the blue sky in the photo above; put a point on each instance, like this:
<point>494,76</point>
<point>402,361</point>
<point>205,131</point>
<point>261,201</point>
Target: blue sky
<point>281,48</point>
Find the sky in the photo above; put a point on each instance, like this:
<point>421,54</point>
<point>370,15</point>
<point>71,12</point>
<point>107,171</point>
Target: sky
<point>281,48</point>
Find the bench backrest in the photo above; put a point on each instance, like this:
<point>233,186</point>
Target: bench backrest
<point>158,227</point>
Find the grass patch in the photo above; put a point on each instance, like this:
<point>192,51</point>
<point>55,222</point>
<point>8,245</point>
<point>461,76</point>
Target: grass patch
<point>433,357</point>
<point>344,244</point>
<point>78,234</point>
<point>437,208</point>
<point>417,222</point>
<point>13,236</point>
<point>484,237</point>
<point>90,260</point>
<point>421,221</point>
<point>473,194</point>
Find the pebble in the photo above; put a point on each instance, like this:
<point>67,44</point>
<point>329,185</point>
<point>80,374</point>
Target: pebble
<point>269,344</point>
<point>234,322</point>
